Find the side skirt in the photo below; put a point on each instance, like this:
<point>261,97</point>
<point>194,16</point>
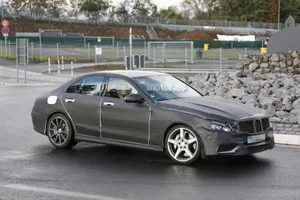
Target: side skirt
<point>84,138</point>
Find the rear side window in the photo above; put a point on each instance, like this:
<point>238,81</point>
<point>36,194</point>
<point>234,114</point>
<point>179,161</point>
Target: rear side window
<point>75,87</point>
<point>91,85</point>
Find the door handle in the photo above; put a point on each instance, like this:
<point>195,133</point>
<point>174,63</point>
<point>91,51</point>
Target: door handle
<point>108,103</point>
<point>69,100</point>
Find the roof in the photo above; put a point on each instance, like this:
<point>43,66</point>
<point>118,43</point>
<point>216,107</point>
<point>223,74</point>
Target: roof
<point>129,73</point>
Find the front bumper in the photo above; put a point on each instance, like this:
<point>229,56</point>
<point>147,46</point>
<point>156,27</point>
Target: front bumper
<point>228,144</point>
<point>246,149</point>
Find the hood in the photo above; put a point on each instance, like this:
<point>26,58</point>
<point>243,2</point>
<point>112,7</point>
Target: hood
<point>214,108</point>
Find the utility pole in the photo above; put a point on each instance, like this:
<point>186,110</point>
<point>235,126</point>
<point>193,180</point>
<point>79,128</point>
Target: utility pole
<point>278,14</point>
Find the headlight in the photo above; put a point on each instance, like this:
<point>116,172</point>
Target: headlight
<point>219,127</point>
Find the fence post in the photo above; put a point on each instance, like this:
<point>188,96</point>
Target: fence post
<point>124,49</point>
<point>72,73</point>
<point>62,63</point>
<point>57,51</point>
<point>58,67</point>
<point>89,54</point>
<point>5,44</point>
<point>154,57</point>
<point>185,57</point>
<point>8,48</point>
<point>32,50</point>
<point>145,48</point>
<point>49,65</point>
<point>95,54</point>
<point>221,59</point>
<point>41,53</point>
<point>117,50</point>
<point>1,48</point>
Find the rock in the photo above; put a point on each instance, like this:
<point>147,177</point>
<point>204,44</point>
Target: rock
<point>283,64</point>
<point>281,114</point>
<point>291,69</point>
<point>253,66</point>
<point>279,93</point>
<point>275,64</point>
<point>293,119</point>
<point>209,86</point>
<point>264,65</point>
<point>266,101</point>
<point>246,61</point>
<point>296,104</point>
<point>277,69</point>
<point>275,119</point>
<point>295,54</point>
<point>274,57</point>
<point>288,83</point>
<point>297,93</point>
<point>206,77</point>
<point>264,92</point>
<point>296,62</point>
<point>239,65</point>
<point>236,92</point>
<point>289,63</point>
<point>282,57</point>
<point>265,58</point>
<point>285,120</point>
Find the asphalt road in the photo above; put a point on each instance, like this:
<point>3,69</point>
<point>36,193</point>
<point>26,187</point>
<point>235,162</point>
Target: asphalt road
<point>31,169</point>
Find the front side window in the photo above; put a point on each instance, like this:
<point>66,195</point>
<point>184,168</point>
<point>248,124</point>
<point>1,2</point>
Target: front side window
<point>119,88</point>
<point>165,87</point>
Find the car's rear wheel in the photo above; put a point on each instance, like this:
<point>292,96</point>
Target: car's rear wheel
<point>60,133</point>
<point>183,145</point>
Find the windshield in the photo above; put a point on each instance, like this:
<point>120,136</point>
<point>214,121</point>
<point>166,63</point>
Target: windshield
<point>165,87</point>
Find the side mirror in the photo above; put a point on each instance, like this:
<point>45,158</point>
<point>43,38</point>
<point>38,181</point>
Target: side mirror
<point>134,98</point>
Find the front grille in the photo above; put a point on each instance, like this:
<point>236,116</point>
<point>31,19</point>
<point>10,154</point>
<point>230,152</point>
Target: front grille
<point>254,126</point>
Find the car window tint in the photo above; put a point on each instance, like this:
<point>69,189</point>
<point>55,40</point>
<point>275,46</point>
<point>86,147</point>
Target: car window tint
<point>75,87</point>
<point>91,85</point>
<point>119,88</point>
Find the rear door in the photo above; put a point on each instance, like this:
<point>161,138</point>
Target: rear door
<point>82,102</point>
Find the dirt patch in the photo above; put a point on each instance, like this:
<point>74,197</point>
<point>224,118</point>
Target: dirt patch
<point>116,30</point>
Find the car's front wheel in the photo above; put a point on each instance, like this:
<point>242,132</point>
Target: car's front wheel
<point>60,132</point>
<point>183,145</point>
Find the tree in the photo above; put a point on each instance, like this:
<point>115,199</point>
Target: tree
<point>199,9</point>
<point>122,11</point>
<point>290,7</point>
<point>243,10</point>
<point>271,11</point>
<point>95,9</point>
<point>144,8</point>
<point>171,13</point>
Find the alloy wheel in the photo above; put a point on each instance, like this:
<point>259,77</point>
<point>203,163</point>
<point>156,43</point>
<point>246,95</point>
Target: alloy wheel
<point>58,131</point>
<point>182,145</point>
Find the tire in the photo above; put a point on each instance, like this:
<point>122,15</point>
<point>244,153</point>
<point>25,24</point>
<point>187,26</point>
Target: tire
<point>189,148</point>
<point>61,136</point>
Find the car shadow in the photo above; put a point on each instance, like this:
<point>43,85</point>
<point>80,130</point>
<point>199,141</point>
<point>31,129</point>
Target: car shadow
<point>114,158</point>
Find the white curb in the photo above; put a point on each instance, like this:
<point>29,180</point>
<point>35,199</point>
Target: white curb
<point>287,139</point>
<point>27,84</point>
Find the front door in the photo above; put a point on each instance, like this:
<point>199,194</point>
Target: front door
<point>120,120</point>
<point>82,102</point>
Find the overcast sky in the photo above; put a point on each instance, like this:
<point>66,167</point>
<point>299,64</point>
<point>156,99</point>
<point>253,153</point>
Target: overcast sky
<point>160,3</point>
